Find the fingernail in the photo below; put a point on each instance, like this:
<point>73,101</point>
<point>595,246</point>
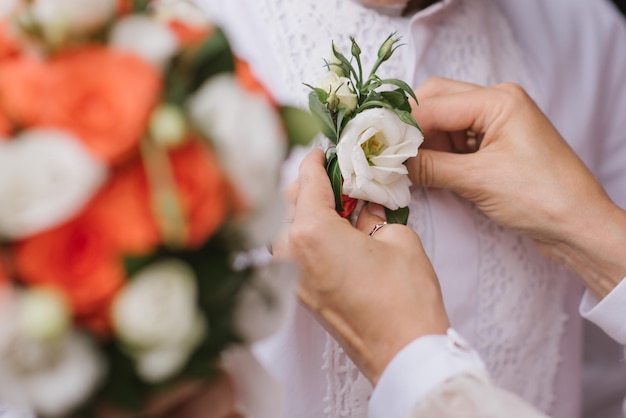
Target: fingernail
<point>376,210</point>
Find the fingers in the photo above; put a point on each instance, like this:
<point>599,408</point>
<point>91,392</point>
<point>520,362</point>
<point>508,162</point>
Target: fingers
<point>441,169</point>
<point>315,194</point>
<point>369,216</point>
<point>453,106</point>
<point>436,86</point>
<point>290,195</point>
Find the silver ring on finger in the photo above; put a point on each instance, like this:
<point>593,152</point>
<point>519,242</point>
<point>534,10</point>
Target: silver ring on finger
<point>377,227</point>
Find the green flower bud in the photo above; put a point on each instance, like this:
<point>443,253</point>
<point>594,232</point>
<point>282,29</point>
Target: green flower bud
<point>43,314</point>
<point>386,49</point>
<point>168,126</point>
<point>356,51</point>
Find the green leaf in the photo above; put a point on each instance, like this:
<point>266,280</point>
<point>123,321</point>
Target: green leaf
<point>323,116</point>
<point>408,118</point>
<point>402,85</point>
<point>340,120</point>
<point>214,56</point>
<point>372,104</point>
<point>334,174</point>
<point>301,126</point>
<point>133,264</point>
<point>398,216</point>
<point>140,5</point>
<point>395,98</point>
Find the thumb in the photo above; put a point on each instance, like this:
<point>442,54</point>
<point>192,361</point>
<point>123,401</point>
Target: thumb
<point>440,169</point>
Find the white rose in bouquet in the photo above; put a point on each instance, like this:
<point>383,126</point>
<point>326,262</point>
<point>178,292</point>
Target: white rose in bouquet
<point>46,176</point>
<point>146,37</point>
<point>157,317</point>
<point>74,16</point>
<point>371,155</point>
<point>50,373</point>
<point>252,145</point>
<point>246,132</point>
<point>183,11</point>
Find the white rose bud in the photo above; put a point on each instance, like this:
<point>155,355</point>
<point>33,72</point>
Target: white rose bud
<point>168,126</point>
<point>46,177</point>
<point>157,317</point>
<point>340,94</point>
<point>43,314</point>
<point>146,37</point>
<point>371,154</point>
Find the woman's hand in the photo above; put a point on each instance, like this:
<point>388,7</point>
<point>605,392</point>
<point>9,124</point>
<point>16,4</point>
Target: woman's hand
<point>375,294</point>
<point>523,175</point>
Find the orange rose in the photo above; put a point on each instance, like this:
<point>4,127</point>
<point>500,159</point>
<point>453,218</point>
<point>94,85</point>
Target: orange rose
<point>124,7</point>
<point>101,95</point>
<point>4,277</point>
<point>123,209</point>
<point>204,191</point>
<point>77,259</point>
<point>8,45</point>
<point>249,81</point>
<point>5,126</point>
<point>187,34</point>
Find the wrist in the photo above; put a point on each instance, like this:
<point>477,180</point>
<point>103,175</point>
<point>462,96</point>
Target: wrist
<point>385,351</point>
<point>594,247</point>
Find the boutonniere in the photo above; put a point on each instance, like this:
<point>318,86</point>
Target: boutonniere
<point>372,132</point>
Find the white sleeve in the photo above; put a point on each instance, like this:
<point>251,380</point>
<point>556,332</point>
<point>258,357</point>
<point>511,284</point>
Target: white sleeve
<point>609,313</point>
<point>417,369</point>
<point>472,395</point>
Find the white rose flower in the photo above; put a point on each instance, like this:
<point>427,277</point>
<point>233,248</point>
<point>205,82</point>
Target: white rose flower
<point>371,152</point>
<point>157,317</point>
<point>340,93</point>
<point>146,37</point>
<point>247,133</point>
<point>264,302</point>
<point>181,10</point>
<point>46,177</point>
<point>75,16</point>
<point>51,377</point>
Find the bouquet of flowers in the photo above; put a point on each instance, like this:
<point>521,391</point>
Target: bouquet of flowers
<point>139,164</point>
<point>371,130</point>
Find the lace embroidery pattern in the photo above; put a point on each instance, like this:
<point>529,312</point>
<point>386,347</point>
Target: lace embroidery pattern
<point>517,289</point>
<point>304,29</point>
<point>518,337</point>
